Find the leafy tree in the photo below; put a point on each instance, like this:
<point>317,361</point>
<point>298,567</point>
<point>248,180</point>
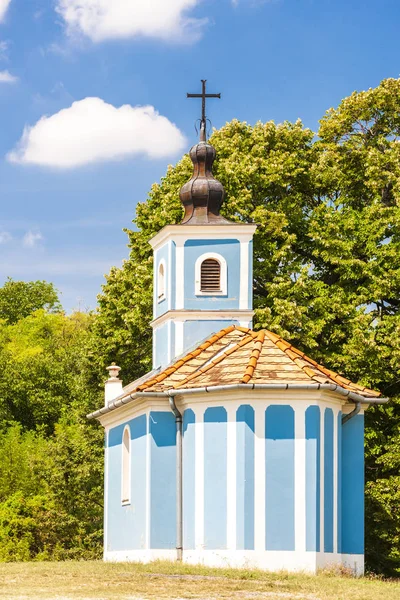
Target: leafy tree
<point>18,299</point>
<point>326,262</point>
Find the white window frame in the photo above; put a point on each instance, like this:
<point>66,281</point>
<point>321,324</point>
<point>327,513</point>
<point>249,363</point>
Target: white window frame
<point>126,475</point>
<point>223,274</point>
<point>161,297</point>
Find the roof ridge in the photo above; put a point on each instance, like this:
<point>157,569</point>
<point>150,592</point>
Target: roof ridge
<point>255,355</point>
<point>214,361</point>
<point>179,363</point>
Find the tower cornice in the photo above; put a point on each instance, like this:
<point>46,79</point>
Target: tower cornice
<point>243,231</point>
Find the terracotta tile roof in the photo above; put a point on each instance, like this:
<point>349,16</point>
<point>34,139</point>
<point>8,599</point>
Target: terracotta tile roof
<point>238,355</point>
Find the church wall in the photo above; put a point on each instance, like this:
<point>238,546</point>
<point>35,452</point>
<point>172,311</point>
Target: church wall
<point>245,444</point>
<point>328,480</point>
<point>125,525</point>
<point>189,479</point>
<point>162,480</point>
<point>339,483</point>
<point>215,477</point>
<point>353,486</point>
<point>163,254</point>
<point>279,478</point>
<point>313,499</point>
<point>230,250</point>
<point>161,344</point>
<point>196,331</point>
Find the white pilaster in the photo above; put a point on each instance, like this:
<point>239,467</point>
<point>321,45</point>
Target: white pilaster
<point>300,478</point>
<point>259,479</point>
<point>244,275</point>
<point>322,484</point>
<point>231,477</point>
<point>335,480</point>
<point>179,274</point>
<point>199,479</point>
<point>178,338</point>
<point>148,481</point>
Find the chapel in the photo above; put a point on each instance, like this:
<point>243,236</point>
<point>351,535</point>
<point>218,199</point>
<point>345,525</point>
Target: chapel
<point>237,449</point>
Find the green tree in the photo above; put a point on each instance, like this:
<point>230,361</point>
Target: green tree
<point>18,299</point>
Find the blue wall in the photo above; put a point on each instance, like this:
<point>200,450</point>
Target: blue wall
<point>160,334</point>
<point>245,478</point>
<point>353,486</point>
<point>215,477</point>
<point>313,458</point>
<point>189,476</point>
<point>328,480</point>
<point>230,250</point>
<point>163,480</point>
<point>126,524</point>
<point>196,331</point>
<point>280,494</point>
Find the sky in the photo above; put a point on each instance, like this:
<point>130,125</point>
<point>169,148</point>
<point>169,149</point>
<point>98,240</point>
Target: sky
<point>93,107</point>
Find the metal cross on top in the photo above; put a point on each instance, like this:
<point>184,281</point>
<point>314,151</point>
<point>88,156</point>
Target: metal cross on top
<point>203,97</point>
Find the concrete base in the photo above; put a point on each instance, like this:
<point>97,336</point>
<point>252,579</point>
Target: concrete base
<point>309,562</point>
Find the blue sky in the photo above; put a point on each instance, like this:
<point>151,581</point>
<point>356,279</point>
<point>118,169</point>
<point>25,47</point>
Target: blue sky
<point>71,183</point>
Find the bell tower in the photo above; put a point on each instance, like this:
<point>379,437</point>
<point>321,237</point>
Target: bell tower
<point>203,267</point>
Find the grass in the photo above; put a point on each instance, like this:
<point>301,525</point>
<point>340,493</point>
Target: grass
<point>130,581</point>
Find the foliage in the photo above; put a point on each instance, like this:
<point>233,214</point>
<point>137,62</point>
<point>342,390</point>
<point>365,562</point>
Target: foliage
<point>18,299</point>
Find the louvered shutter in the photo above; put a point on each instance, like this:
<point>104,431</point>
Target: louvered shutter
<point>210,276</point>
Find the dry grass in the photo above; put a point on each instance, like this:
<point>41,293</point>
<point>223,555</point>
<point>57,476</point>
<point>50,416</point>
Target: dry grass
<point>100,581</point>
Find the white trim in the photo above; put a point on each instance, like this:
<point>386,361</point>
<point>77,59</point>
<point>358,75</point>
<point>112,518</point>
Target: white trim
<point>231,477</point>
<point>161,297</point>
<point>300,477</point>
<point>179,274</point>
<point>223,274</point>
<point>181,233</point>
<point>244,275</point>
<point>126,484</point>
<point>178,338</point>
<point>148,481</point>
<point>199,479</point>
<point>243,316</point>
<point>335,480</point>
<point>322,481</point>
<point>105,514</point>
<point>259,476</point>
<point>169,280</point>
<point>269,560</point>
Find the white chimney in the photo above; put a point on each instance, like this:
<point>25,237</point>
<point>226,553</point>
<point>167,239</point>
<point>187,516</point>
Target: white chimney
<point>113,385</point>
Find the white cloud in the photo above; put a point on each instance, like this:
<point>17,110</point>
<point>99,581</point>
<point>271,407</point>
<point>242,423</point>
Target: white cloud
<point>109,19</point>
<point>5,237</point>
<point>31,239</point>
<point>4,4</point>
<point>91,131</point>
<point>6,77</point>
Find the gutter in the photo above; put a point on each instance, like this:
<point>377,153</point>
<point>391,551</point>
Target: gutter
<point>127,399</point>
<point>179,482</point>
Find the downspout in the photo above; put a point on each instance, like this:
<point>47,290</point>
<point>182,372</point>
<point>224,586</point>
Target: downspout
<point>353,413</point>
<point>179,494</point>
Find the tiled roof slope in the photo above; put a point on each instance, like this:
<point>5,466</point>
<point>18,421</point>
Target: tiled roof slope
<point>238,355</point>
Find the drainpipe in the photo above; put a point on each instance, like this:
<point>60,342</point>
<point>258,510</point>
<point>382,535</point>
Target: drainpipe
<point>179,494</point>
<point>353,413</point>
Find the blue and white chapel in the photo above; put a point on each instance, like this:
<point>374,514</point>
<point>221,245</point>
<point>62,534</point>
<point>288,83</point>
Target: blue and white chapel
<point>237,449</point>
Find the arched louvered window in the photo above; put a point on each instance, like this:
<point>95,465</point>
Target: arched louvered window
<point>210,275</point>
<point>161,281</point>
<point>126,467</point>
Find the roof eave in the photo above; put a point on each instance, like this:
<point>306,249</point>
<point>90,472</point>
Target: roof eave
<point>126,399</point>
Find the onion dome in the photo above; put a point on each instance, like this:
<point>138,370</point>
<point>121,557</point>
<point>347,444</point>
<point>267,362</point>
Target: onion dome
<point>202,195</point>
